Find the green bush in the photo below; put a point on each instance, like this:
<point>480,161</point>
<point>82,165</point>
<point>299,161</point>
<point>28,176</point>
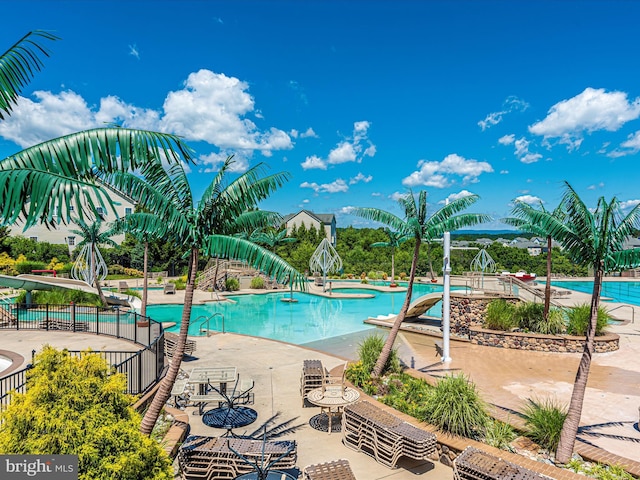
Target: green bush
<point>60,297</point>
<point>499,434</point>
<point>553,325</point>
<point>578,319</point>
<point>455,406</point>
<point>528,315</point>
<point>257,282</point>
<point>133,293</point>
<point>408,394</point>
<point>27,267</point>
<point>369,351</point>
<point>372,275</point>
<point>232,285</point>
<point>599,471</point>
<point>180,283</point>
<point>499,316</point>
<point>544,420</point>
<point>77,406</point>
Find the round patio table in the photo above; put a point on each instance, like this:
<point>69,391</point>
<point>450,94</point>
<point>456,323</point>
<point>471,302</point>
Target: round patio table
<point>273,475</point>
<point>229,418</point>
<point>332,400</point>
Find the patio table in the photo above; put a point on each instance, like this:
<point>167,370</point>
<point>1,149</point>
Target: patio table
<point>333,399</point>
<point>207,376</point>
<point>229,417</point>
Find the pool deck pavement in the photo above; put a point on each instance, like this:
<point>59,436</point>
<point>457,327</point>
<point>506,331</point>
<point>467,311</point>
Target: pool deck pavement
<point>505,377</point>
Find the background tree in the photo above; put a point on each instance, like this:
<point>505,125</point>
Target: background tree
<point>594,238</point>
<point>420,227</point>
<point>226,207</point>
<point>76,406</point>
<point>395,240</point>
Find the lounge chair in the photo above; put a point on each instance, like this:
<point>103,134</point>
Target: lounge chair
<point>122,287</point>
<point>169,288</point>
<point>473,464</point>
<point>334,470</point>
<point>170,342</point>
<point>6,317</point>
<point>311,377</point>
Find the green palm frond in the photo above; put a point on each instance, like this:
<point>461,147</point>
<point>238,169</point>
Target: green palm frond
<point>223,246</point>
<point>80,154</point>
<point>395,239</point>
<point>18,66</point>
<point>381,216</point>
<point>91,232</point>
<point>34,196</point>
<point>144,227</point>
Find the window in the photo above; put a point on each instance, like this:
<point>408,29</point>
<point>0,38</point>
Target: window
<point>100,211</point>
<point>71,208</point>
<point>128,211</point>
<point>35,239</point>
<point>71,241</point>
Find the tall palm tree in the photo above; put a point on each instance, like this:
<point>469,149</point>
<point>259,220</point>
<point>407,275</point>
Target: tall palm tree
<point>523,215</point>
<point>92,237</point>
<point>420,227</point>
<point>207,226</point>
<point>395,240</point>
<point>595,238</point>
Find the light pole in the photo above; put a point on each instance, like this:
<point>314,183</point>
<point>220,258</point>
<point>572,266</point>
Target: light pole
<point>446,303</point>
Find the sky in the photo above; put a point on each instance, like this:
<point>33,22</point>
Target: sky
<point>360,101</point>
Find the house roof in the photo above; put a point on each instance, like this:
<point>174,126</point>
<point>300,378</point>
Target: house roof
<point>326,218</point>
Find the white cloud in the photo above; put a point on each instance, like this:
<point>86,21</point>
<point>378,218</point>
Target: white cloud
<point>593,187</point>
<point>395,196</point>
<point>133,51</point>
<point>309,133</point>
<point>630,146</point>
<point>213,161</point>
<point>211,107</point>
<point>591,110</point>
<point>314,162</point>
<point>376,194</point>
<point>523,153</point>
<point>336,186</point>
<point>433,174</point>
<point>306,200</point>
<point>346,210</point>
<point>456,196</point>
<point>360,178</point>
<point>529,199</point>
<point>343,153</point>
<point>511,104</point>
<point>507,139</point>
<point>629,204</point>
<point>504,172</point>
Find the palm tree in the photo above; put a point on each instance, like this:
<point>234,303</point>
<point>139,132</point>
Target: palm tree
<point>395,240</point>
<point>523,214</point>
<point>417,225</point>
<point>93,236</point>
<point>271,238</point>
<point>208,226</point>
<point>595,238</point>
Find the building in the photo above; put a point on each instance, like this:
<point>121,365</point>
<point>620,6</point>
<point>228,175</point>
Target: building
<point>320,221</point>
<point>60,233</point>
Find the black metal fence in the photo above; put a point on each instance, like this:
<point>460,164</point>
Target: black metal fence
<point>143,368</point>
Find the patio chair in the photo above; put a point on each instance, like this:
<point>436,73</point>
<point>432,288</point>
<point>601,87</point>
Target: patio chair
<point>334,470</point>
<point>335,381</point>
<point>170,342</point>
<point>122,287</point>
<point>244,393</point>
<point>180,393</point>
<point>169,288</point>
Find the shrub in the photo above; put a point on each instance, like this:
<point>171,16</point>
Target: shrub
<point>499,434</point>
<point>257,282</point>
<point>578,319</point>
<point>369,351</point>
<point>27,267</point>
<point>372,275</point>
<point>180,283</point>
<point>528,315</point>
<point>499,316</point>
<point>133,293</point>
<point>364,281</point>
<point>360,377</point>
<point>544,420</point>
<point>76,405</point>
<point>455,406</point>
<point>60,297</point>
<point>554,323</point>
<point>408,394</point>
<point>232,284</point>
<point>599,471</point>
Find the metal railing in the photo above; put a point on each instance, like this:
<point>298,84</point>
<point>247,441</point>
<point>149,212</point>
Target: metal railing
<point>143,368</point>
<point>208,319</point>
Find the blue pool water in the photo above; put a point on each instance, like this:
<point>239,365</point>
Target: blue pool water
<point>623,292</point>
<point>311,318</point>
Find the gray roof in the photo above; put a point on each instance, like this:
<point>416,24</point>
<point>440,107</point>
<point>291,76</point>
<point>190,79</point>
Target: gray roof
<point>326,218</point>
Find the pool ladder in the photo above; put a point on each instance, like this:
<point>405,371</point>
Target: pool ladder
<point>633,311</point>
<point>206,322</point>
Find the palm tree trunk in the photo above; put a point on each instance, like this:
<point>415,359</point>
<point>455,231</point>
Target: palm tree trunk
<point>547,286</point>
<point>393,267</point>
<point>164,392</point>
<point>388,344</point>
<point>94,274</point>
<point>572,422</point>
<point>145,280</point>
<point>433,275</point>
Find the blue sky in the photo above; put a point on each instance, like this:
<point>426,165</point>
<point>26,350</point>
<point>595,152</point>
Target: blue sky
<point>359,101</point>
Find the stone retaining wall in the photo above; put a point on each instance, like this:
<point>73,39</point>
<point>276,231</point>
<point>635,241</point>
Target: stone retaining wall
<point>467,314</point>
<point>539,342</point>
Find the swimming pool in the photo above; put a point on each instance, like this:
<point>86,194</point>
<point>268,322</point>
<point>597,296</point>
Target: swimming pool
<point>623,292</point>
<point>309,319</point>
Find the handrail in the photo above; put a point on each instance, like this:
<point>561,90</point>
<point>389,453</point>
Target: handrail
<point>633,311</point>
<point>207,322</point>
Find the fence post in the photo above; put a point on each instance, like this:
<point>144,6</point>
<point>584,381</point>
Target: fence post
<point>139,372</point>
<point>17,309</point>
<point>46,309</point>
<point>117,321</point>
<point>135,327</point>
<point>73,316</point>
<point>97,320</point>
